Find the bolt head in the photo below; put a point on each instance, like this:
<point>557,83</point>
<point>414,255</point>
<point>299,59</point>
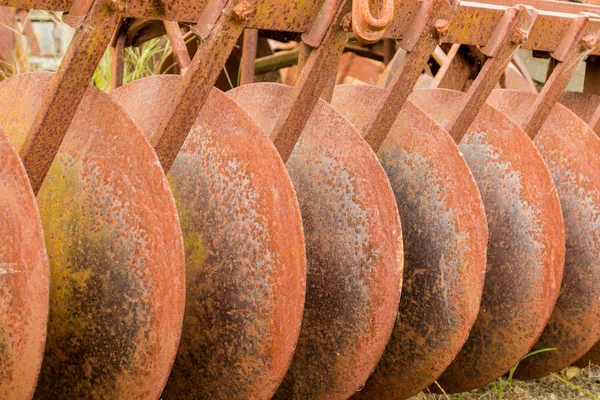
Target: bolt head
<point>520,36</point>
<point>589,42</point>
<point>243,11</point>
<point>441,27</point>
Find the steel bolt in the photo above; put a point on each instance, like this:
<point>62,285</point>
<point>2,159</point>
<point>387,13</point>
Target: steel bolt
<point>117,5</point>
<point>589,41</point>
<point>441,27</point>
<point>520,36</point>
<point>347,22</point>
<point>243,11</point>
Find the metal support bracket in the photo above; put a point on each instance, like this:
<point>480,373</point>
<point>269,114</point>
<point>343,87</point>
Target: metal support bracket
<point>510,33</point>
<point>429,26</point>
<point>66,90</point>
<point>571,51</point>
<point>197,83</point>
<point>316,73</point>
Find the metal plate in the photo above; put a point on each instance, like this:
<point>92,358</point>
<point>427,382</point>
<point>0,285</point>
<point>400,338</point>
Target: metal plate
<point>525,255</point>
<point>584,105</point>
<point>445,240</point>
<point>24,279</point>
<point>246,263</point>
<point>354,249</point>
<point>572,152</point>
<point>115,250</point>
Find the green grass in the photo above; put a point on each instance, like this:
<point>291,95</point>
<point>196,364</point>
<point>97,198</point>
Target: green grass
<point>139,62</point>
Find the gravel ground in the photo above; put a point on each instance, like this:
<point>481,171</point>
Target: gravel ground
<point>587,382</point>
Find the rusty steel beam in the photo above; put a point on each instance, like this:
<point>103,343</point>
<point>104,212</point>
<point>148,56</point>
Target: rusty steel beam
<point>472,25</point>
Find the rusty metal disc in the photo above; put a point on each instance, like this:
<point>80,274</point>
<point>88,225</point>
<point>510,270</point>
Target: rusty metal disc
<point>354,249</point>
<point>572,152</point>
<point>24,279</point>
<point>445,240</point>
<point>525,254</point>
<point>115,249</point>
<point>246,263</point>
<point>584,105</point>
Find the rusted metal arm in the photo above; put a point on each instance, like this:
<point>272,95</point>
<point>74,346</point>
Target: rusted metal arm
<point>572,50</point>
<point>178,45</point>
<point>454,71</point>
<point>66,91</point>
<point>429,26</point>
<point>248,61</point>
<point>117,62</point>
<point>512,31</point>
<point>315,75</point>
<point>196,84</point>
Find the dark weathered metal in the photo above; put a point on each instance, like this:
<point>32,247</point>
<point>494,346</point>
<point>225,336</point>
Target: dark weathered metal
<point>68,87</point>
<point>354,249</point>
<point>115,248</point>
<point>246,265</point>
<point>571,151</point>
<point>445,241</point>
<point>24,280</point>
<point>526,247</point>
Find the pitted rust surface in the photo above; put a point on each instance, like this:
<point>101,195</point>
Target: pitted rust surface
<point>246,264</point>
<point>572,152</point>
<point>24,279</point>
<point>526,247</point>
<point>115,249</point>
<point>445,240</point>
<point>354,249</point>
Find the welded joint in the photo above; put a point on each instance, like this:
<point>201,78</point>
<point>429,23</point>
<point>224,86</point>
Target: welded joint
<point>318,29</point>
<point>79,9</point>
<point>578,42</point>
<point>242,12</point>
<point>431,21</point>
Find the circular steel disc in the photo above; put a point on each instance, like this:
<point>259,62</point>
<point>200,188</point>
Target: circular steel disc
<point>572,152</point>
<point>24,279</point>
<point>354,249</point>
<point>246,263</point>
<point>584,105</point>
<point>445,240</point>
<point>115,249</point>
<point>525,254</point>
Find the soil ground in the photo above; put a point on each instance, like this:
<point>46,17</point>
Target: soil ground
<point>570,383</point>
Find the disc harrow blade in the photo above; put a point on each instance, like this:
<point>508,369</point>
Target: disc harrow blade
<point>354,249</point>
<point>246,263</point>
<point>525,254</point>
<point>24,279</point>
<point>584,105</point>
<point>445,240</point>
<point>115,250</point>
<point>572,152</point>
